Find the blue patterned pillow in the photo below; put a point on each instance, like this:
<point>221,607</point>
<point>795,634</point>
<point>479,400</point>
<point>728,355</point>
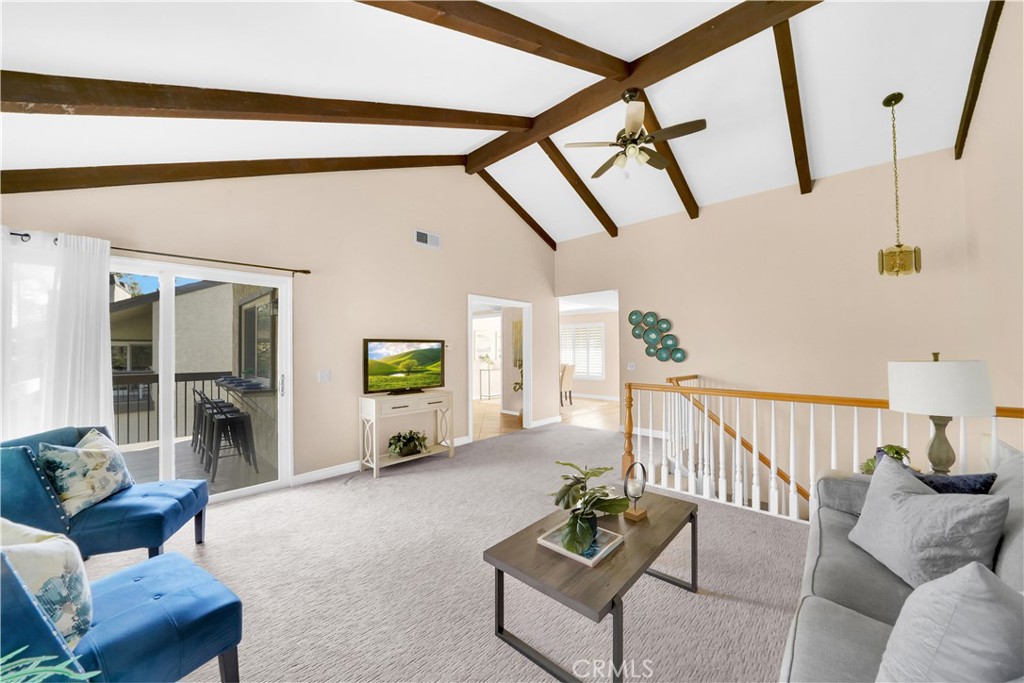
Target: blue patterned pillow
<point>51,568</point>
<point>977,484</point>
<point>87,473</point>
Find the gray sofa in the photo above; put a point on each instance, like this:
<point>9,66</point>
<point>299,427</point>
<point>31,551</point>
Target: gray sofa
<point>850,601</point>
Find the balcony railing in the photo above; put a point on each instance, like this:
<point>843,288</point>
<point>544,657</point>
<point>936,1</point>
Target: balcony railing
<point>136,403</point>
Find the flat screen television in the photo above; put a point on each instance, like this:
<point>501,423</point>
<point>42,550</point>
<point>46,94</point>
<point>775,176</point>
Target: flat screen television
<point>400,366</point>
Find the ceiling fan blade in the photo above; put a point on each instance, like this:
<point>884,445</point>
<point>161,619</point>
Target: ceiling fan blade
<point>655,159</point>
<point>676,131</point>
<point>605,166</point>
<point>634,118</point>
<point>591,144</point>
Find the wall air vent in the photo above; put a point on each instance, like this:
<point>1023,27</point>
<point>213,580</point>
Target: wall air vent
<point>428,239</point>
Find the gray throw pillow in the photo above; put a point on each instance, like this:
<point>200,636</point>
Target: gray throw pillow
<point>966,626</point>
<point>921,535</point>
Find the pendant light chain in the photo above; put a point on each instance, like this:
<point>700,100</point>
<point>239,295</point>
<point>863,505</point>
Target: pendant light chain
<point>895,174</point>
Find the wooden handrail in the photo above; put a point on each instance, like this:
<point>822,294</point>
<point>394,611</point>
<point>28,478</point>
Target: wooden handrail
<point>681,378</point>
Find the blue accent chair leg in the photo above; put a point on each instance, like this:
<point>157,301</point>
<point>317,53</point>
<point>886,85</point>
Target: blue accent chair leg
<point>159,550</point>
<point>228,661</point>
<point>200,526</point>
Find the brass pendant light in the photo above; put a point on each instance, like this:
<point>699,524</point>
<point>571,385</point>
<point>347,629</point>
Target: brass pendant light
<point>899,259</point>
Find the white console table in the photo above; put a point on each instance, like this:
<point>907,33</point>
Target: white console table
<point>377,408</point>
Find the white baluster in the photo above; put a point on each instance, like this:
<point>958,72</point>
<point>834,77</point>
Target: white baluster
<point>639,427</point>
<point>856,438</point>
<point>650,433</point>
<point>773,485</point>
<point>794,506</point>
<point>677,409</point>
<point>722,484</point>
<point>992,445</point>
<point>664,442</point>
<point>738,489</point>
<point>755,463</point>
<point>691,476</point>
<point>906,431</point>
<point>835,451</point>
<point>706,464</point>
<point>963,445</point>
<point>812,467</point>
<point>878,430</point>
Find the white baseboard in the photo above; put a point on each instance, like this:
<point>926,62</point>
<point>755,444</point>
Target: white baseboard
<point>543,421</point>
<point>596,397</point>
<point>463,440</point>
<point>514,413</point>
<point>641,431</point>
<point>325,473</point>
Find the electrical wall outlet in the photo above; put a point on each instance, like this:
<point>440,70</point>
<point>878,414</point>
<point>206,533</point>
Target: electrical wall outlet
<point>323,376</point>
<point>631,366</point>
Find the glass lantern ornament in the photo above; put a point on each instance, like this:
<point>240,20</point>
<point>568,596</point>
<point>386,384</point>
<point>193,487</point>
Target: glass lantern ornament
<point>633,487</point>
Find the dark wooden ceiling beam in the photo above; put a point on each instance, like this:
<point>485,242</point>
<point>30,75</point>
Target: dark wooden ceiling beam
<point>791,92</point>
<point>569,173</point>
<point>675,173</point>
<point>517,207</point>
<point>47,179</point>
<point>31,93</point>
<point>490,23</point>
<point>728,28</point>
<point>988,34</point>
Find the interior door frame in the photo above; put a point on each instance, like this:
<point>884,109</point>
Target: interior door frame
<point>527,309</point>
<point>166,272</point>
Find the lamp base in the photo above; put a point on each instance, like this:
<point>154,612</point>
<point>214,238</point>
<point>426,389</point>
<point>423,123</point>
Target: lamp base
<point>635,515</point>
<point>940,451</point>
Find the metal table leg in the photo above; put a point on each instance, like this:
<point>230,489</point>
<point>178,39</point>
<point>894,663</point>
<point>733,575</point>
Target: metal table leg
<point>529,652</point>
<point>685,585</point>
<point>617,671</point>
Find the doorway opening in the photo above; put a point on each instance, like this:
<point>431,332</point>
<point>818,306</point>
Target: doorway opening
<point>590,390</point>
<point>500,396</point>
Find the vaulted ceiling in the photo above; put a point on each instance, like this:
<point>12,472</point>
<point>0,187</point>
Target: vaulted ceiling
<point>562,84</point>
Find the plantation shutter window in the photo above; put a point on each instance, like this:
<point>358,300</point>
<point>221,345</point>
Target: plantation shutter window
<point>582,345</point>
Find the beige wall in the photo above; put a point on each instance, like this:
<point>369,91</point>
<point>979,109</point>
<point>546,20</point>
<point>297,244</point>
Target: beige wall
<point>609,386</point>
<point>355,231</point>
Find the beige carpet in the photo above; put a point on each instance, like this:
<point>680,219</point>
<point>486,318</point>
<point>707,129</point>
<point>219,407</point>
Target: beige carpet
<point>353,579</point>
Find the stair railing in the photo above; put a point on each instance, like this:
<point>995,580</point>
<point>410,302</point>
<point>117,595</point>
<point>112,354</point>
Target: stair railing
<point>691,438</point>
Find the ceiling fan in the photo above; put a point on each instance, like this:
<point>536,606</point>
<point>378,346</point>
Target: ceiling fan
<point>633,138</point>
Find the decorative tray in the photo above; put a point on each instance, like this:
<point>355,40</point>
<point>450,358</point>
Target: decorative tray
<point>603,546</point>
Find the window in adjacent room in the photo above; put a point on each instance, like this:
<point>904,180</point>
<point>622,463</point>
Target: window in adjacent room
<point>582,345</point>
<point>131,356</point>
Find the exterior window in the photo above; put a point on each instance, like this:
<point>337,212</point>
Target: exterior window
<point>258,339</point>
<point>582,345</point>
<point>131,356</point>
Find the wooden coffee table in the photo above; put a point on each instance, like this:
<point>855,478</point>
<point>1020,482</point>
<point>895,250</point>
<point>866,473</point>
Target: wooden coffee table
<point>591,591</point>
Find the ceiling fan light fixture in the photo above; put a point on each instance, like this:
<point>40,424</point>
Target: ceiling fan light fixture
<point>620,161</point>
<point>632,151</point>
<point>642,157</point>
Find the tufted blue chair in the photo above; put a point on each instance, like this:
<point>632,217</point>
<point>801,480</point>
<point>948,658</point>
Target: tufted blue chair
<point>140,516</point>
<point>156,621</point>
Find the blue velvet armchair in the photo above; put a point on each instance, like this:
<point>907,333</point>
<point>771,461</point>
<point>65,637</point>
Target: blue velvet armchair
<point>140,516</point>
<point>156,621</point>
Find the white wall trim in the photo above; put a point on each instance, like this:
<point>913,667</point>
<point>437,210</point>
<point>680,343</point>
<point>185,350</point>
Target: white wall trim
<point>543,421</point>
<point>596,397</point>
<point>463,441</point>
<point>325,473</point>
<point>514,413</point>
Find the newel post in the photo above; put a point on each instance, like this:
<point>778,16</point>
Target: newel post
<point>627,453</point>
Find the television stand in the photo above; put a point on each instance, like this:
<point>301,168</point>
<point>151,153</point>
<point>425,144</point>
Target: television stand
<point>375,409</point>
<point>403,392</point>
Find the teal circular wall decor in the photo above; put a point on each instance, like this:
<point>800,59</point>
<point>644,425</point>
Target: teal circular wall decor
<point>654,333</point>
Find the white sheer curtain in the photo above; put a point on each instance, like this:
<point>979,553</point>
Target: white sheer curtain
<point>55,340</point>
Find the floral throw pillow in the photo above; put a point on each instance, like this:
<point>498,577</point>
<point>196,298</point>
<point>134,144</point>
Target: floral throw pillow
<point>87,473</point>
<point>51,568</point>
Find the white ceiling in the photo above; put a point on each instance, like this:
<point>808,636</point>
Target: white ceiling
<point>849,56</point>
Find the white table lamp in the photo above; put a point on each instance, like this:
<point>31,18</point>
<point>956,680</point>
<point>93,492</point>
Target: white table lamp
<point>942,390</point>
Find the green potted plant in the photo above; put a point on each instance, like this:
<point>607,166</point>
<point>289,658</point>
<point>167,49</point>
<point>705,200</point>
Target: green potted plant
<point>407,443</point>
<point>890,449</point>
<point>585,502</point>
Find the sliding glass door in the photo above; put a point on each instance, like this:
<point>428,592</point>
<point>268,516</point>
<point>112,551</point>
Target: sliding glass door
<point>201,377</point>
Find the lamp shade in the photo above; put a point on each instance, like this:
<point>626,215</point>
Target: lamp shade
<point>957,388</point>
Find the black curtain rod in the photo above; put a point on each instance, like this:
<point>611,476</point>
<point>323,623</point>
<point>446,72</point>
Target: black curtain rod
<point>25,237</point>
